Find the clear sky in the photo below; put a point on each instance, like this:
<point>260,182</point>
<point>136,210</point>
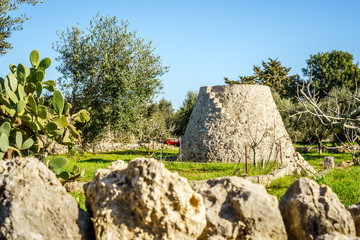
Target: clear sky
<point>202,41</point>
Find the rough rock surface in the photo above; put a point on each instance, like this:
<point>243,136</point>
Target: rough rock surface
<point>226,118</point>
<point>355,212</point>
<point>300,166</point>
<point>336,236</point>
<point>34,205</point>
<point>239,209</point>
<point>329,162</point>
<point>143,200</point>
<point>310,210</point>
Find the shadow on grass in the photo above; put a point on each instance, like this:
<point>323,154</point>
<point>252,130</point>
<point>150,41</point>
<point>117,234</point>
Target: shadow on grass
<point>96,160</point>
<point>310,157</point>
<point>141,152</point>
<point>128,152</point>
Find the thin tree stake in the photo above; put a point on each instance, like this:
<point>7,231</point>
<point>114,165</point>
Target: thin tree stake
<point>246,160</point>
<point>281,154</point>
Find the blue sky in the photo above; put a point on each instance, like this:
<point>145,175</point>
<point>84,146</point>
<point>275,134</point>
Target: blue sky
<point>202,41</point>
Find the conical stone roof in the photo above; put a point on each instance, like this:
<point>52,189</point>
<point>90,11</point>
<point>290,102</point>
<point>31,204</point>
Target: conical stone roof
<point>227,118</point>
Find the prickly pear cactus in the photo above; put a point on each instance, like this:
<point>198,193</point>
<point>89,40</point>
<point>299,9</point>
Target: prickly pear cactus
<point>56,164</point>
<point>27,124</point>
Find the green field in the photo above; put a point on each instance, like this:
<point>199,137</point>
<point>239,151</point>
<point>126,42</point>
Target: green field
<point>344,182</point>
<point>316,159</point>
<point>190,170</point>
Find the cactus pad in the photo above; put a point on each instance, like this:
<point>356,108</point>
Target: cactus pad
<point>58,102</point>
<point>34,58</point>
<point>57,163</point>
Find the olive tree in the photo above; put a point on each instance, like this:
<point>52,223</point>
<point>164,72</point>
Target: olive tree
<point>110,71</point>
<point>339,111</point>
<point>9,23</point>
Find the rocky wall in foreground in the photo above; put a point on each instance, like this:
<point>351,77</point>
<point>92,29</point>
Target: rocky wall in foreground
<point>143,200</point>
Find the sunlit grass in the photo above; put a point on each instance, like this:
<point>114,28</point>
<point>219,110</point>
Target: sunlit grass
<point>190,170</point>
<point>317,160</point>
<point>345,183</point>
<point>279,186</point>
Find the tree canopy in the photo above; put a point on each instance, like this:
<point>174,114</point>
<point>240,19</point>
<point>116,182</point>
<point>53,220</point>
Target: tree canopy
<point>271,74</point>
<point>110,71</point>
<point>182,116</point>
<point>8,24</point>
<point>158,121</point>
<point>331,69</point>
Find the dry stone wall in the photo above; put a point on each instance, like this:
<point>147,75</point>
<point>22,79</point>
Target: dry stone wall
<point>226,118</point>
<point>143,200</point>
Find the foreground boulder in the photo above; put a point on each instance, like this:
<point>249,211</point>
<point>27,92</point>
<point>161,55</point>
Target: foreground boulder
<point>143,200</point>
<point>239,209</point>
<point>310,210</point>
<point>355,212</point>
<point>34,205</point>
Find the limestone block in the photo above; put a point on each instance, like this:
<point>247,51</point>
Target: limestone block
<point>355,212</point>
<point>34,204</point>
<point>329,162</point>
<point>143,200</point>
<point>310,210</point>
<point>239,209</point>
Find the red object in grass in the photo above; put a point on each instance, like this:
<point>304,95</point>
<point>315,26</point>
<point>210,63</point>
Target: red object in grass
<point>174,142</point>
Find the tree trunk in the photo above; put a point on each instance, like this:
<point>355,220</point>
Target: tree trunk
<point>94,149</point>
<point>319,146</point>
<point>161,150</point>
<point>254,157</point>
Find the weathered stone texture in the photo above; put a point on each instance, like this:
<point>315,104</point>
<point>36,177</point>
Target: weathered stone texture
<point>226,118</point>
<point>143,200</point>
<point>310,210</point>
<point>329,162</point>
<point>239,209</point>
<point>355,212</point>
<point>34,205</point>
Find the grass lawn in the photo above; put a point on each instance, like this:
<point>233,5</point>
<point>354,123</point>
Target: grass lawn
<point>190,170</point>
<point>316,159</point>
<point>343,182</point>
<point>280,185</point>
<point>90,163</point>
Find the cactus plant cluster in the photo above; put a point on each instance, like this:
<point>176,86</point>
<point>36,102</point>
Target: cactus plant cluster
<point>30,119</point>
<point>56,165</point>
